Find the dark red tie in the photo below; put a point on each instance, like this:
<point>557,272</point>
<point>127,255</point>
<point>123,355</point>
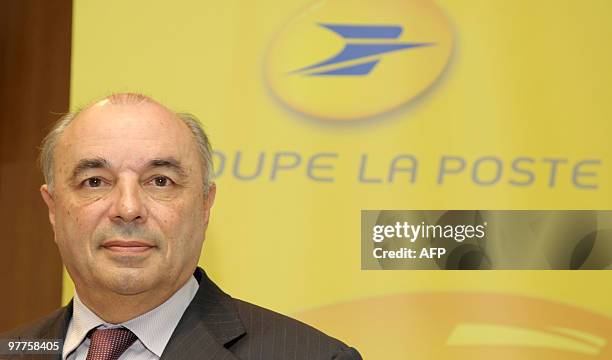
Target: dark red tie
<point>109,344</point>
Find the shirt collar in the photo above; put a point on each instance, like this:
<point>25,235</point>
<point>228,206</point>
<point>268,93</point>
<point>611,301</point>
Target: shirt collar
<point>153,328</point>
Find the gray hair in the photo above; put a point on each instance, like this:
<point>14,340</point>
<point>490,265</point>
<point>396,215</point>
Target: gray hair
<point>199,135</point>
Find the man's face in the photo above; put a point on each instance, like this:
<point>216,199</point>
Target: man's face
<point>128,206</point>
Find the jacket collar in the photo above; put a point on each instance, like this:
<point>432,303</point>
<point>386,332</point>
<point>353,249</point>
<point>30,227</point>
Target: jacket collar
<point>216,309</point>
<point>208,327</point>
<point>59,326</point>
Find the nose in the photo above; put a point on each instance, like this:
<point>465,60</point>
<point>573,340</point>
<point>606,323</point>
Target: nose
<point>128,205</point>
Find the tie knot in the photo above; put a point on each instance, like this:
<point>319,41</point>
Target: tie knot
<point>109,344</point>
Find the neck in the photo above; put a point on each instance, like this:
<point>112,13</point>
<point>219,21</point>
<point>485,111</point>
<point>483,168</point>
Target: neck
<point>116,308</point>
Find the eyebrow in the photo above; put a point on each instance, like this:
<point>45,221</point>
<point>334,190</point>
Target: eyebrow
<point>87,164</point>
<point>170,163</point>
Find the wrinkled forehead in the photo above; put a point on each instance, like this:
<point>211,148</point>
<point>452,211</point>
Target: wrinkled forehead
<point>127,135</point>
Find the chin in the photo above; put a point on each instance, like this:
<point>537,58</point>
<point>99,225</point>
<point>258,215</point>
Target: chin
<point>128,281</point>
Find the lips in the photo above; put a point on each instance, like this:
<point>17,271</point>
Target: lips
<point>127,246</point>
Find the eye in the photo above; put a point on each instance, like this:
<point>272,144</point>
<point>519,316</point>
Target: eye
<point>93,182</point>
<point>162,181</point>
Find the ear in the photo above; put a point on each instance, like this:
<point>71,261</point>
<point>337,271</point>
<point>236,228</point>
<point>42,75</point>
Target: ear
<point>208,201</point>
<point>48,198</point>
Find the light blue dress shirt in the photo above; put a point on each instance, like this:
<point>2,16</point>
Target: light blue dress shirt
<point>153,328</point>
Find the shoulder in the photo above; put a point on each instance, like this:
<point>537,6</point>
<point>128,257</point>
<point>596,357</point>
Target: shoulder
<point>269,332</point>
<point>50,326</point>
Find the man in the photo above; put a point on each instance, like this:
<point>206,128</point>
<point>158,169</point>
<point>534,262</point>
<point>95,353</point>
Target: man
<point>129,192</point>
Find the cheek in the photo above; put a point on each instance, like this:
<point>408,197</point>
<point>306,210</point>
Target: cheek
<point>75,224</point>
<point>182,225</point>
<point>172,220</point>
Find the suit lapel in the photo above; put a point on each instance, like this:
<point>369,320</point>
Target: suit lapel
<point>210,324</point>
<point>57,328</point>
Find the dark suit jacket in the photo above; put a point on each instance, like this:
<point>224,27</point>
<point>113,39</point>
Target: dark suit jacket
<point>216,326</point>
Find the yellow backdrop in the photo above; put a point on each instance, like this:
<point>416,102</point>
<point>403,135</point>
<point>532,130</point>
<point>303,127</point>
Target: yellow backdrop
<point>496,82</point>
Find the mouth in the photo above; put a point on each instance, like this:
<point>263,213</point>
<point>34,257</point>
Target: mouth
<point>127,246</point>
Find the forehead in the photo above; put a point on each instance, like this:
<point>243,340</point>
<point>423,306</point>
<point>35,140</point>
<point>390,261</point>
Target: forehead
<point>126,135</point>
